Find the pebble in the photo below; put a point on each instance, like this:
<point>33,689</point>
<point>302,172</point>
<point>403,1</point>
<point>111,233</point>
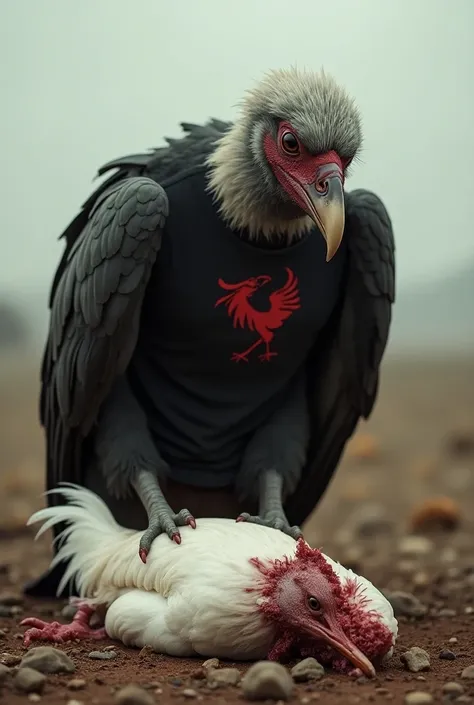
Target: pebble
<point>307,670</point>
<point>102,655</point>
<point>68,612</point>
<point>133,695</point>
<point>10,600</point>
<point>4,671</point>
<point>267,680</point>
<point>416,659</point>
<point>447,655</point>
<point>28,680</point>
<point>77,684</point>
<point>189,693</point>
<point>223,676</point>
<point>453,688</point>
<point>406,604</point>
<point>47,659</point>
<point>10,659</point>
<point>6,611</point>
<point>2,633</point>
<point>210,663</point>
<point>370,520</point>
<point>468,673</point>
<point>446,612</point>
<point>418,697</point>
<point>453,640</point>
<point>415,546</point>
<point>35,698</point>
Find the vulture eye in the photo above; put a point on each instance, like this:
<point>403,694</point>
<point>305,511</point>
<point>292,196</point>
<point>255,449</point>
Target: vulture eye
<point>290,143</point>
<point>314,604</point>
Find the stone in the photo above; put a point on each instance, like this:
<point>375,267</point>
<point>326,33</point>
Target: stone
<point>418,697</point>
<point>447,655</point>
<point>133,695</point>
<point>223,676</point>
<point>416,659</point>
<point>10,659</point>
<point>103,655</point>
<point>406,604</point>
<point>189,693</point>
<point>307,670</point>
<point>468,673</point>
<point>415,546</point>
<point>4,672</point>
<point>28,680</point>
<point>47,659</point>
<point>77,684</point>
<point>453,688</point>
<point>267,680</point>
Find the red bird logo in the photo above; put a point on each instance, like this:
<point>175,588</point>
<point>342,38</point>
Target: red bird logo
<point>282,304</point>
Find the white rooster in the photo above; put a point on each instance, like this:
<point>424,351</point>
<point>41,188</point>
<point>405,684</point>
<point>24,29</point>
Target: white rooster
<point>231,590</point>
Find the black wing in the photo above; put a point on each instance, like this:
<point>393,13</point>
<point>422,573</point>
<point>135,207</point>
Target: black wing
<point>344,372</point>
<point>95,309</point>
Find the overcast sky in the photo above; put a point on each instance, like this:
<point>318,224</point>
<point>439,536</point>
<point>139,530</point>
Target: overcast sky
<point>84,81</point>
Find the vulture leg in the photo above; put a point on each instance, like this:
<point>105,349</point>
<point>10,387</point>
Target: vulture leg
<point>161,518</point>
<point>271,512</point>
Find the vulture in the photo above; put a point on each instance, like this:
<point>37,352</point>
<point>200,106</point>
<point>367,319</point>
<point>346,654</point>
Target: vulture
<point>218,319</point>
<point>240,591</point>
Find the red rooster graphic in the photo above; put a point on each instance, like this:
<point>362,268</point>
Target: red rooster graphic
<point>282,304</point>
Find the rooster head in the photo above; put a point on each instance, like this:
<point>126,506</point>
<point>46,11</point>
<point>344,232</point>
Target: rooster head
<point>280,169</point>
<point>317,613</point>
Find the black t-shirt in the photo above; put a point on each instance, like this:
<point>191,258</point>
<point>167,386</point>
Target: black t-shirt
<point>225,326</point>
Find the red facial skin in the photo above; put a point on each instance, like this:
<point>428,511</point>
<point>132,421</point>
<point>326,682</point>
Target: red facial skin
<point>343,617</point>
<point>299,168</point>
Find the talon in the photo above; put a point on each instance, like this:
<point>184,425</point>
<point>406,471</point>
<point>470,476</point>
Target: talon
<point>241,518</point>
<point>176,537</point>
<point>143,553</point>
<point>191,521</point>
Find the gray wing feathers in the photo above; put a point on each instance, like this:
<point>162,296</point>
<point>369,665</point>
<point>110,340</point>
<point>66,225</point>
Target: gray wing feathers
<point>95,314</point>
<point>344,370</point>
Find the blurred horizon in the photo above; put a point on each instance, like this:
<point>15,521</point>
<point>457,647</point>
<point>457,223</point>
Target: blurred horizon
<point>85,83</point>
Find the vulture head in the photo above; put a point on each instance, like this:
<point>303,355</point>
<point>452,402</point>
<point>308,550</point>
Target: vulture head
<point>280,169</point>
<point>321,616</point>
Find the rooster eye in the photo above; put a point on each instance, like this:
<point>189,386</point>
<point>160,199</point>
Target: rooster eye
<point>290,143</point>
<point>314,604</point>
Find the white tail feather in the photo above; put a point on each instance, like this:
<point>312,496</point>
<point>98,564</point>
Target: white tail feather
<point>90,533</point>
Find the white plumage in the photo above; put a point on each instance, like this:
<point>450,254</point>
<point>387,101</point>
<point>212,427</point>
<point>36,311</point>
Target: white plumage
<point>204,597</point>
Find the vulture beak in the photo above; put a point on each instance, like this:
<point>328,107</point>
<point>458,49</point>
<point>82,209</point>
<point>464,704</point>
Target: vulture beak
<point>334,636</point>
<point>325,205</point>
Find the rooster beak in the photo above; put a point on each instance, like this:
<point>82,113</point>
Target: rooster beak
<point>334,636</point>
<point>324,201</point>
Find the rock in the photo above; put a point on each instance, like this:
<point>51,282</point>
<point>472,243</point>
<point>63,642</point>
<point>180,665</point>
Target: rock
<point>416,659</point>
<point>435,513</point>
<point>267,680</point>
<point>28,680</point>
<point>453,688</point>
<point>415,546</point>
<point>35,698</point>
<point>10,600</point>
<point>447,655</point>
<point>77,684</point>
<point>223,676</point>
<point>6,611</point>
<point>4,672</point>
<point>370,520</point>
<point>406,604</point>
<point>210,663</point>
<point>103,655</point>
<point>189,693</point>
<point>307,670</point>
<point>468,673</point>
<point>68,612</point>
<point>2,634</point>
<point>461,443</point>
<point>446,612</point>
<point>418,697</point>
<point>133,695</point>
<point>10,659</point>
<point>47,659</point>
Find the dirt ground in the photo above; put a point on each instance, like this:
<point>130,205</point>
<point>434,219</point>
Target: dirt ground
<point>419,445</point>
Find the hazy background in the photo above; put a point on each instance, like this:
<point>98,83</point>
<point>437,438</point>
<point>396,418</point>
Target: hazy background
<point>84,82</point>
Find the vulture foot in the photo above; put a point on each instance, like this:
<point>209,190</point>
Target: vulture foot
<point>165,521</point>
<point>274,520</point>
<point>58,633</point>
<point>161,518</point>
